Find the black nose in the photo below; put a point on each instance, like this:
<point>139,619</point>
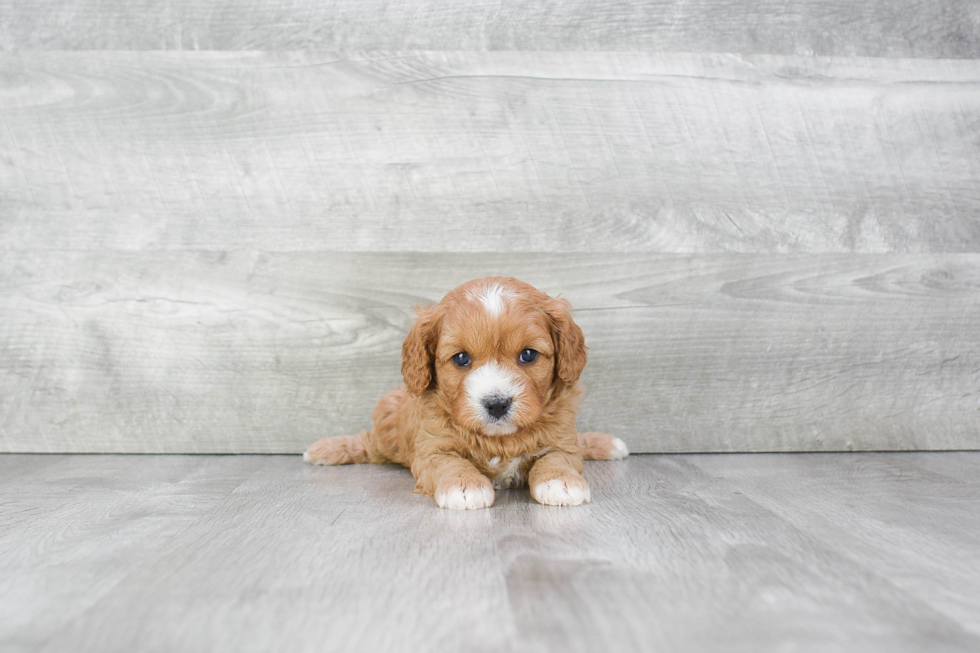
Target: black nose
<point>497,406</point>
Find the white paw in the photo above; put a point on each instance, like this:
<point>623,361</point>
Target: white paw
<point>619,450</point>
<point>309,458</point>
<point>557,492</point>
<point>469,498</point>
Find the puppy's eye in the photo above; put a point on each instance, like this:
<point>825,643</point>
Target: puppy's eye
<point>462,359</point>
<point>528,356</point>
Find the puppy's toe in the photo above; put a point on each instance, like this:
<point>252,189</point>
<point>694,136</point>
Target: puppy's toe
<point>337,451</point>
<point>601,446</point>
<point>618,450</point>
<point>328,451</point>
<point>461,496</point>
<point>564,491</point>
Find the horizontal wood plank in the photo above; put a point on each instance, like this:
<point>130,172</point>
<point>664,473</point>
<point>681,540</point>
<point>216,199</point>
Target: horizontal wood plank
<point>266,352</point>
<point>893,28</point>
<point>490,152</point>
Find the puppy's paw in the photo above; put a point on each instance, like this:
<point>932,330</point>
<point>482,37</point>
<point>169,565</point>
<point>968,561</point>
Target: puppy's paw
<point>565,490</point>
<point>618,451</point>
<point>462,495</point>
<point>601,446</point>
<point>337,451</point>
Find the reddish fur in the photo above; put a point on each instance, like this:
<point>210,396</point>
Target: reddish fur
<point>425,424</point>
<point>596,446</point>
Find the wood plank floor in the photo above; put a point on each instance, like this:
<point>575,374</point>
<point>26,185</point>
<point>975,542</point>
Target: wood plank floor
<point>821,552</point>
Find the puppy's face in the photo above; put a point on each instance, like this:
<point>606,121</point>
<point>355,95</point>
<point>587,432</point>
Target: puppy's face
<point>494,350</point>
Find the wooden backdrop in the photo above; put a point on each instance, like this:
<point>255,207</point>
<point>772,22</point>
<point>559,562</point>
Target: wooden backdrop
<point>215,216</point>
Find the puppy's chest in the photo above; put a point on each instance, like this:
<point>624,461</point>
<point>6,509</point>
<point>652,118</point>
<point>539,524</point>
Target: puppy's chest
<point>506,473</point>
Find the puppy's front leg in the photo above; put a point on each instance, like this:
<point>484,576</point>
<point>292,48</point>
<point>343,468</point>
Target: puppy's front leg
<point>556,480</point>
<point>454,482</point>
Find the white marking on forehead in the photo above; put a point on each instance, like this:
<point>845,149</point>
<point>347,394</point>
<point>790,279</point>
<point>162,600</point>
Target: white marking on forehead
<point>493,380</point>
<point>493,297</point>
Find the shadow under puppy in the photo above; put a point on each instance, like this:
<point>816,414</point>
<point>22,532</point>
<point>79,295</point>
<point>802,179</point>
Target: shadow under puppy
<point>490,396</point>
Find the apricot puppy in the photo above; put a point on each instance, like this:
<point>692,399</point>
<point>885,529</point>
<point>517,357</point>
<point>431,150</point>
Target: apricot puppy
<point>489,402</point>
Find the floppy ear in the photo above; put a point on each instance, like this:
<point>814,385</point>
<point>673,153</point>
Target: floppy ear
<point>570,350</point>
<point>418,363</point>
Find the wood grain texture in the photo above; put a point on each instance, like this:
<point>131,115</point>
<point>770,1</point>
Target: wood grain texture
<point>498,151</point>
<point>71,528</point>
<point>893,28</point>
<point>675,553</point>
<point>884,495</point>
<point>267,352</point>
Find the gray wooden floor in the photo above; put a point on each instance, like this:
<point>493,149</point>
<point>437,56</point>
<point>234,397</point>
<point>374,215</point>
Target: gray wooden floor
<point>822,552</point>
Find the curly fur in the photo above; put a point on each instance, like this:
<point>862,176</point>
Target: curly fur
<point>436,426</point>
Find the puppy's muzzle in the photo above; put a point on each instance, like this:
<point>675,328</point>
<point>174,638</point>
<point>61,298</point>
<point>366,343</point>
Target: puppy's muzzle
<point>497,406</point>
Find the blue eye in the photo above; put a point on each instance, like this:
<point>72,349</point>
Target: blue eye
<point>462,359</point>
<point>528,356</point>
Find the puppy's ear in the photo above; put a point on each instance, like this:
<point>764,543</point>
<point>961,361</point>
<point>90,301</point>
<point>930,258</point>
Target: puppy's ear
<point>418,358</point>
<point>570,350</point>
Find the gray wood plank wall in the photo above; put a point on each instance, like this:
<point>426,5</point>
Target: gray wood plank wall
<point>879,28</point>
<point>489,152</point>
<point>767,216</point>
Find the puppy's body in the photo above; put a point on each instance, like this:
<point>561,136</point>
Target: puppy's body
<point>489,402</point>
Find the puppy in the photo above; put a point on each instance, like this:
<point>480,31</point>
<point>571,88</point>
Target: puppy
<point>489,402</point>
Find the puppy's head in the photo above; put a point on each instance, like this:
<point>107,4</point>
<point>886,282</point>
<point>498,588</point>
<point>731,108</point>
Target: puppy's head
<point>496,351</point>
